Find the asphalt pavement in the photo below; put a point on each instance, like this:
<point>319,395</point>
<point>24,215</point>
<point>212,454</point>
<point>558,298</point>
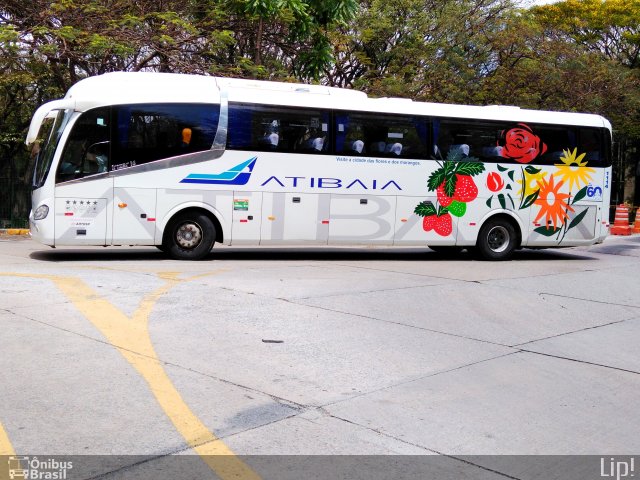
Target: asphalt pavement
<point>320,363</point>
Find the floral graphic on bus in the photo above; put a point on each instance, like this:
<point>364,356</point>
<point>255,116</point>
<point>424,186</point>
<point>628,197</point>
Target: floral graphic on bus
<point>554,205</point>
<point>495,183</point>
<point>521,144</point>
<point>454,187</point>
<point>573,169</point>
<point>529,182</point>
<point>529,188</point>
<point>549,192</point>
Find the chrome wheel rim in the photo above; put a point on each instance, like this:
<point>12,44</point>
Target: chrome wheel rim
<point>498,239</point>
<point>188,235</point>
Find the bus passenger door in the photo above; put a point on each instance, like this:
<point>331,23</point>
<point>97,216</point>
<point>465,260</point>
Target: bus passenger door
<point>81,212</point>
<point>81,220</point>
<point>247,212</point>
<point>295,218</point>
<point>409,228</point>
<point>362,219</point>
<point>134,216</point>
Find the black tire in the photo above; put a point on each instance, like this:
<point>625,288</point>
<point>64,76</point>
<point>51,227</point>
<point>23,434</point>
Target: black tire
<point>497,239</point>
<point>189,236</point>
<point>448,250</point>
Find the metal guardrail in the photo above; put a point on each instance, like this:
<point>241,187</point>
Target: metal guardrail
<point>15,203</point>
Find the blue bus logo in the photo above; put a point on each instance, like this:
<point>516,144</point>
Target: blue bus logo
<point>238,175</point>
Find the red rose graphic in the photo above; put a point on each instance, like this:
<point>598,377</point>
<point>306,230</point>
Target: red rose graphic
<point>494,182</point>
<point>522,145</point>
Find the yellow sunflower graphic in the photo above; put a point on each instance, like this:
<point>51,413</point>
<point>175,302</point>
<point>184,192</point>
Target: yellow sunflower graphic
<point>529,183</point>
<point>573,170</point>
<point>553,204</point>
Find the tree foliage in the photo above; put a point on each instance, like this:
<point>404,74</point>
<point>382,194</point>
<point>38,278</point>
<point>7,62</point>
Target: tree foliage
<point>575,55</point>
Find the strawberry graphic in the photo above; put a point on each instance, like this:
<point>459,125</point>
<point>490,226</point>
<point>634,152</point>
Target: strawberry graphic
<point>438,220</point>
<point>466,189</point>
<point>453,181</point>
<point>457,209</point>
<point>454,187</point>
<point>444,225</point>
<point>443,199</point>
<point>429,222</point>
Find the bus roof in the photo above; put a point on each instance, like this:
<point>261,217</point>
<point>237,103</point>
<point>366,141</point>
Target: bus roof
<point>146,87</point>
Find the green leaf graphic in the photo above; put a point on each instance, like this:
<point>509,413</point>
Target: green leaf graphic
<point>510,175</point>
<point>532,170</point>
<point>547,232</point>
<point>502,201</point>
<point>508,187</point>
<point>450,185</point>
<point>529,200</point>
<point>469,168</point>
<point>442,210</point>
<point>577,219</point>
<point>580,195</point>
<point>436,179</point>
<point>425,209</point>
<point>489,200</point>
<point>501,168</point>
<point>513,205</point>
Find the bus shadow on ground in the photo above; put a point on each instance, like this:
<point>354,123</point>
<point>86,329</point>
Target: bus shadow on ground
<point>299,253</point>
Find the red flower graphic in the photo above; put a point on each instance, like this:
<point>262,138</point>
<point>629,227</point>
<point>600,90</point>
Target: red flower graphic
<point>522,145</point>
<point>495,182</point>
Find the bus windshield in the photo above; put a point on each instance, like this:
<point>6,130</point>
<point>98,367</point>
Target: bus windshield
<point>43,149</point>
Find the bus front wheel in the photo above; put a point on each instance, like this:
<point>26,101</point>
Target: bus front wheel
<point>497,239</point>
<point>190,236</point>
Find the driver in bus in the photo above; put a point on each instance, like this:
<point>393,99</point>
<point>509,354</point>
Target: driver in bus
<point>97,158</point>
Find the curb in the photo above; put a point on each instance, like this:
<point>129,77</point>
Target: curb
<point>14,231</point>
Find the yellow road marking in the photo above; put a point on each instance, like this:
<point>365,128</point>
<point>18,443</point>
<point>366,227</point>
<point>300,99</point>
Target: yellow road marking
<point>5,445</point>
<point>6,450</point>
<point>130,336</point>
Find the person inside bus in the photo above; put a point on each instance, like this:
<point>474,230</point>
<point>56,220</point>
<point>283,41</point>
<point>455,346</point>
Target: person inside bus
<point>463,148</point>
<point>186,138</point>
<point>357,146</point>
<point>271,137</point>
<point>394,149</point>
<point>96,158</point>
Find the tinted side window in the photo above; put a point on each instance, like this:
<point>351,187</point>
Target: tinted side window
<point>594,143</point>
<point>380,135</point>
<point>468,138</point>
<point>88,147</point>
<point>145,133</point>
<point>557,140</point>
<point>283,129</point>
<point>503,141</point>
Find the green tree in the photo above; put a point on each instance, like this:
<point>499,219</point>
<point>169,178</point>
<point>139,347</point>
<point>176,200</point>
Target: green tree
<point>609,27</point>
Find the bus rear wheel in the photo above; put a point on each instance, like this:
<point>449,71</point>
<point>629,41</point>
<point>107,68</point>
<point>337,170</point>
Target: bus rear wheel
<point>190,236</point>
<point>497,239</point>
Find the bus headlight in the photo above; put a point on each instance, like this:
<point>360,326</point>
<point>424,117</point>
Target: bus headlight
<point>41,212</point>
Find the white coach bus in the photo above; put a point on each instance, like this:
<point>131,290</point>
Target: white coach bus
<point>182,162</point>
